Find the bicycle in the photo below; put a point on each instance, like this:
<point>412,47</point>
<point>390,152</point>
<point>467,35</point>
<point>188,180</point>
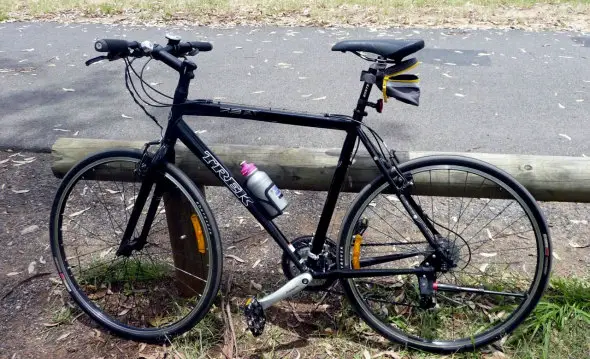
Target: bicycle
<point>412,271</point>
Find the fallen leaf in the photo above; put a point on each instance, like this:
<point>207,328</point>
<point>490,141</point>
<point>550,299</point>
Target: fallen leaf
<point>29,229</point>
<point>42,260</point>
<point>49,325</point>
<point>63,336</point>
<point>123,312</point>
<point>67,89</point>
<point>366,354</point>
<point>12,274</point>
<point>32,266</point>
<point>488,254</point>
<point>577,245</point>
<point>483,54</point>
<point>8,159</point>
<point>19,191</point>
<point>565,136</point>
<point>61,130</point>
<point>105,252</point>
<point>256,263</point>
<point>319,98</point>
<point>198,132</point>
<point>236,258</point>
<point>257,92</point>
<point>28,50</point>
<point>75,214</point>
<point>560,105</point>
<point>125,116</point>
<point>556,256</point>
<point>489,234</point>
<point>579,221</point>
<point>255,285</point>
<point>154,83</point>
<point>389,353</point>
<point>141,347</point>
<point>459,95</point>
<point>483,267</point>
<point>392,198</point>
<point>306,95</point>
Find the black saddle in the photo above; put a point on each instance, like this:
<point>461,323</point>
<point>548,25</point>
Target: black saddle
<point>388,48</point>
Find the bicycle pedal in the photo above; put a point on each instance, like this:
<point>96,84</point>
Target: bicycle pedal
<point>255,318</point>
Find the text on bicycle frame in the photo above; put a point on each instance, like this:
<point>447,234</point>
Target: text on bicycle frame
<point>229,181</point>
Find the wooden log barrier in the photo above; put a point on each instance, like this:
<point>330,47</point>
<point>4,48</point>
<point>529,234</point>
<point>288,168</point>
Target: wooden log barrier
<point>548,178</point>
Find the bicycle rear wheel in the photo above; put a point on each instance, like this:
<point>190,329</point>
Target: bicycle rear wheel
<point>493,232</point>
<point>156,292</point>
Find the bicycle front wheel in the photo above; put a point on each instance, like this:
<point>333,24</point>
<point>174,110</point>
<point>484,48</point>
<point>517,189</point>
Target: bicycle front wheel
<point>493,234</point>
<point>157,291</point>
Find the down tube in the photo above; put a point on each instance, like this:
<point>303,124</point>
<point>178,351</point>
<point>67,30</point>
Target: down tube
<point>199,149</point>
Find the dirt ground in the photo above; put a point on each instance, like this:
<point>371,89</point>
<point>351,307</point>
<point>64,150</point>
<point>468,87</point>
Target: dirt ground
<point>31,294</point>
<point>571,16</point>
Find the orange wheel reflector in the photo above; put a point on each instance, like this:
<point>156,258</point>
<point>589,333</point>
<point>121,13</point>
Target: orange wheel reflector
<point>198,233</point>
<point>356,252</point>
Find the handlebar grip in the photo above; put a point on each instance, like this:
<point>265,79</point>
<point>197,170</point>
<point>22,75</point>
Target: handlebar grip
<point>115,46</point>
<point>201,45</point>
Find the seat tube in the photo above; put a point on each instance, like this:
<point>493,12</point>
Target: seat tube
<point>319,237</point>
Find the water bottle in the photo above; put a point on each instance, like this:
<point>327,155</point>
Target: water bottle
<point>263,188</point>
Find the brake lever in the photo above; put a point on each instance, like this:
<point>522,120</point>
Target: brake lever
<point>95,60</point>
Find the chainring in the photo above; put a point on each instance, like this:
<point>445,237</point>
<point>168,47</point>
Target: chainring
<point>328,260</point>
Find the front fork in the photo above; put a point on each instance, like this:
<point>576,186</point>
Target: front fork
<point>148,170</point>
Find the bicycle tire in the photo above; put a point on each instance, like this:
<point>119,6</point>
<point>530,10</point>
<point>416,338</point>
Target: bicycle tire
<point>396,327</point>
<point>176,317</point>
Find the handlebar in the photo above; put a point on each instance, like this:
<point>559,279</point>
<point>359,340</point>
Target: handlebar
<point>118,48</point>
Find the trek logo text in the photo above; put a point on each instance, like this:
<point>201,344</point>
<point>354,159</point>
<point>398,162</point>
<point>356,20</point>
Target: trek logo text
<point>230,182</point>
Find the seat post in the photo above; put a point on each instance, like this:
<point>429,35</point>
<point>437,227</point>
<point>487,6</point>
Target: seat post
<point>359,111</point>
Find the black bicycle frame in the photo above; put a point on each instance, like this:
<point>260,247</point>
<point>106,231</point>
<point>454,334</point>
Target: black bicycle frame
<point>178,129</point>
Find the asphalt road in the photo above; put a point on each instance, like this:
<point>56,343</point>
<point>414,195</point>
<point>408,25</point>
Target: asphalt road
<point>484,91</point>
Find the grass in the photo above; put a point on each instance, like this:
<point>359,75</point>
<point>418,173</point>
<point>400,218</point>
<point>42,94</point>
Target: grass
<point>557,328</point>
<point>307,12</point>
<point>63,316</point>
<point>122,272</point>
<point>559,325</point>
<point>202,338</point>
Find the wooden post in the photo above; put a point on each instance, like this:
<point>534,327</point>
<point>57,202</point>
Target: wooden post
<point>191,265</point>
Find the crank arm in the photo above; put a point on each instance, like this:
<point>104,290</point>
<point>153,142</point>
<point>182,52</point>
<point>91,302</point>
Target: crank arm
<point>290,288</point>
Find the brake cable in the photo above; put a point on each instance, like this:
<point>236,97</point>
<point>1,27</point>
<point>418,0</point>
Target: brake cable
<point>127,80</point>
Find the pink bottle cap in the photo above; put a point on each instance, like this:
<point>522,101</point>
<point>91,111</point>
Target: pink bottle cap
<point>247,168</point>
